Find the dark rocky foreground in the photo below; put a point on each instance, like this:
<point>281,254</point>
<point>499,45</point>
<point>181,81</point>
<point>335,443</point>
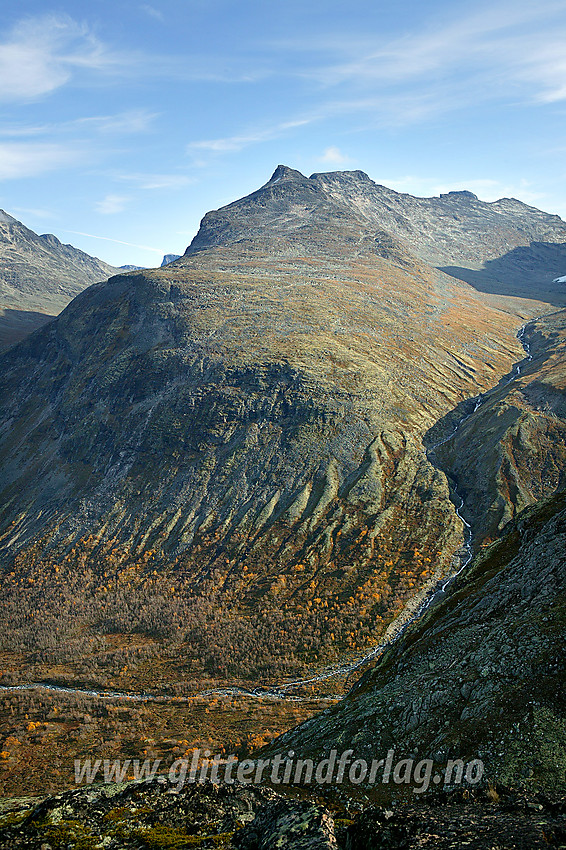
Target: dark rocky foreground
<point>151,814</point>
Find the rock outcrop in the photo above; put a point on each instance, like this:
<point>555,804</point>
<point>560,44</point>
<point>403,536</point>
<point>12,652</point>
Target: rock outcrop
<point>153,814</point>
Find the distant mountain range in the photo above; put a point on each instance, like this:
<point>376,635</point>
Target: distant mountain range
<point>167,258</point>
<point>264,456</point>
<point>39,275</point>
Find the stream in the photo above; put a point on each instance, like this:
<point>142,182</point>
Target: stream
<point>393,633</point>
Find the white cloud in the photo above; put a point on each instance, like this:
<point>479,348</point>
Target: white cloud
<point>490,33</point>
<point>152,12</point>
<point>34,212</point>
<point>239,142</point>
<point>334,156</point>
<point>122,123</point>
<point>42,53</point>
<point>156,181</point>
<point>112,204</point>
<point>28,159</point>
<point>132,121</point>
<point>11,131</point>
<point>503,50</point>
<point>545,66</point>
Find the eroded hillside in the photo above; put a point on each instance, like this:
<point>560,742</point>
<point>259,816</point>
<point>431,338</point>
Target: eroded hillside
<point>219,472</point>
<point>479,676</point>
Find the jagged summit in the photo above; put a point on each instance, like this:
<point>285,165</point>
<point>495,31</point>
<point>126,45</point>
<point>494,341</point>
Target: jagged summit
<point>52,240</point>
<point>169,258</point>
<point>283,172</point>
<point>337,175</point>
<point>322,213</point>
<point>460,193</point>
<point>6,218</point>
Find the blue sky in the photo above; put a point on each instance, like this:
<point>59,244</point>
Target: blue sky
<point>122,123</point>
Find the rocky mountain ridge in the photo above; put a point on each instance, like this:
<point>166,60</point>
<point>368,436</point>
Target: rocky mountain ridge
<point>524,251</point>
<point>511,451</point>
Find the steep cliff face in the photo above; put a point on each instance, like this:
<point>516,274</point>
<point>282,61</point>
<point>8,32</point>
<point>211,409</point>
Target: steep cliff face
<point>39,275</point>
<point>479,676</point>
<point>228,451</point>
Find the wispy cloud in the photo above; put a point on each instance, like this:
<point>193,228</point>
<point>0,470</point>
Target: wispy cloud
<point>34,212</point>
<point>112,204</point>
<point>502,50</point>
<point>498,51</point>
<point>42,53</point>
<point>334,156</point>
<point>240,141</point>
<point>29,159</point>
<point>122,123</point>
<point>118,241</point>
<point>131,121</point>
<point>156,181</point>
<point>156,14</point>
<point>28,151</point>
<point>459,42</point>
<point>11,131</point>
<point>544,65</point>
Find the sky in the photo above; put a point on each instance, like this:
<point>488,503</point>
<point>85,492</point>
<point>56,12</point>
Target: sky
<point>122,123</point>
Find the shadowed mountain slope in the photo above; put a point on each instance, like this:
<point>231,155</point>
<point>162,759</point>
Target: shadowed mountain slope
<point>511,451</point>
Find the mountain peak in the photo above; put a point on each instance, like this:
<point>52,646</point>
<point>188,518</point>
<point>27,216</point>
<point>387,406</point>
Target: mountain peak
<point>460,193</point>
<point>340,175</point>
<point>6,218</point>
<point>322,213</point>
<point>51,239</point>
<point>38,277</point>
<point>283,172</point>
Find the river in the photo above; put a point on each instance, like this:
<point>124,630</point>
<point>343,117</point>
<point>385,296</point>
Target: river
<point>345,668</point>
